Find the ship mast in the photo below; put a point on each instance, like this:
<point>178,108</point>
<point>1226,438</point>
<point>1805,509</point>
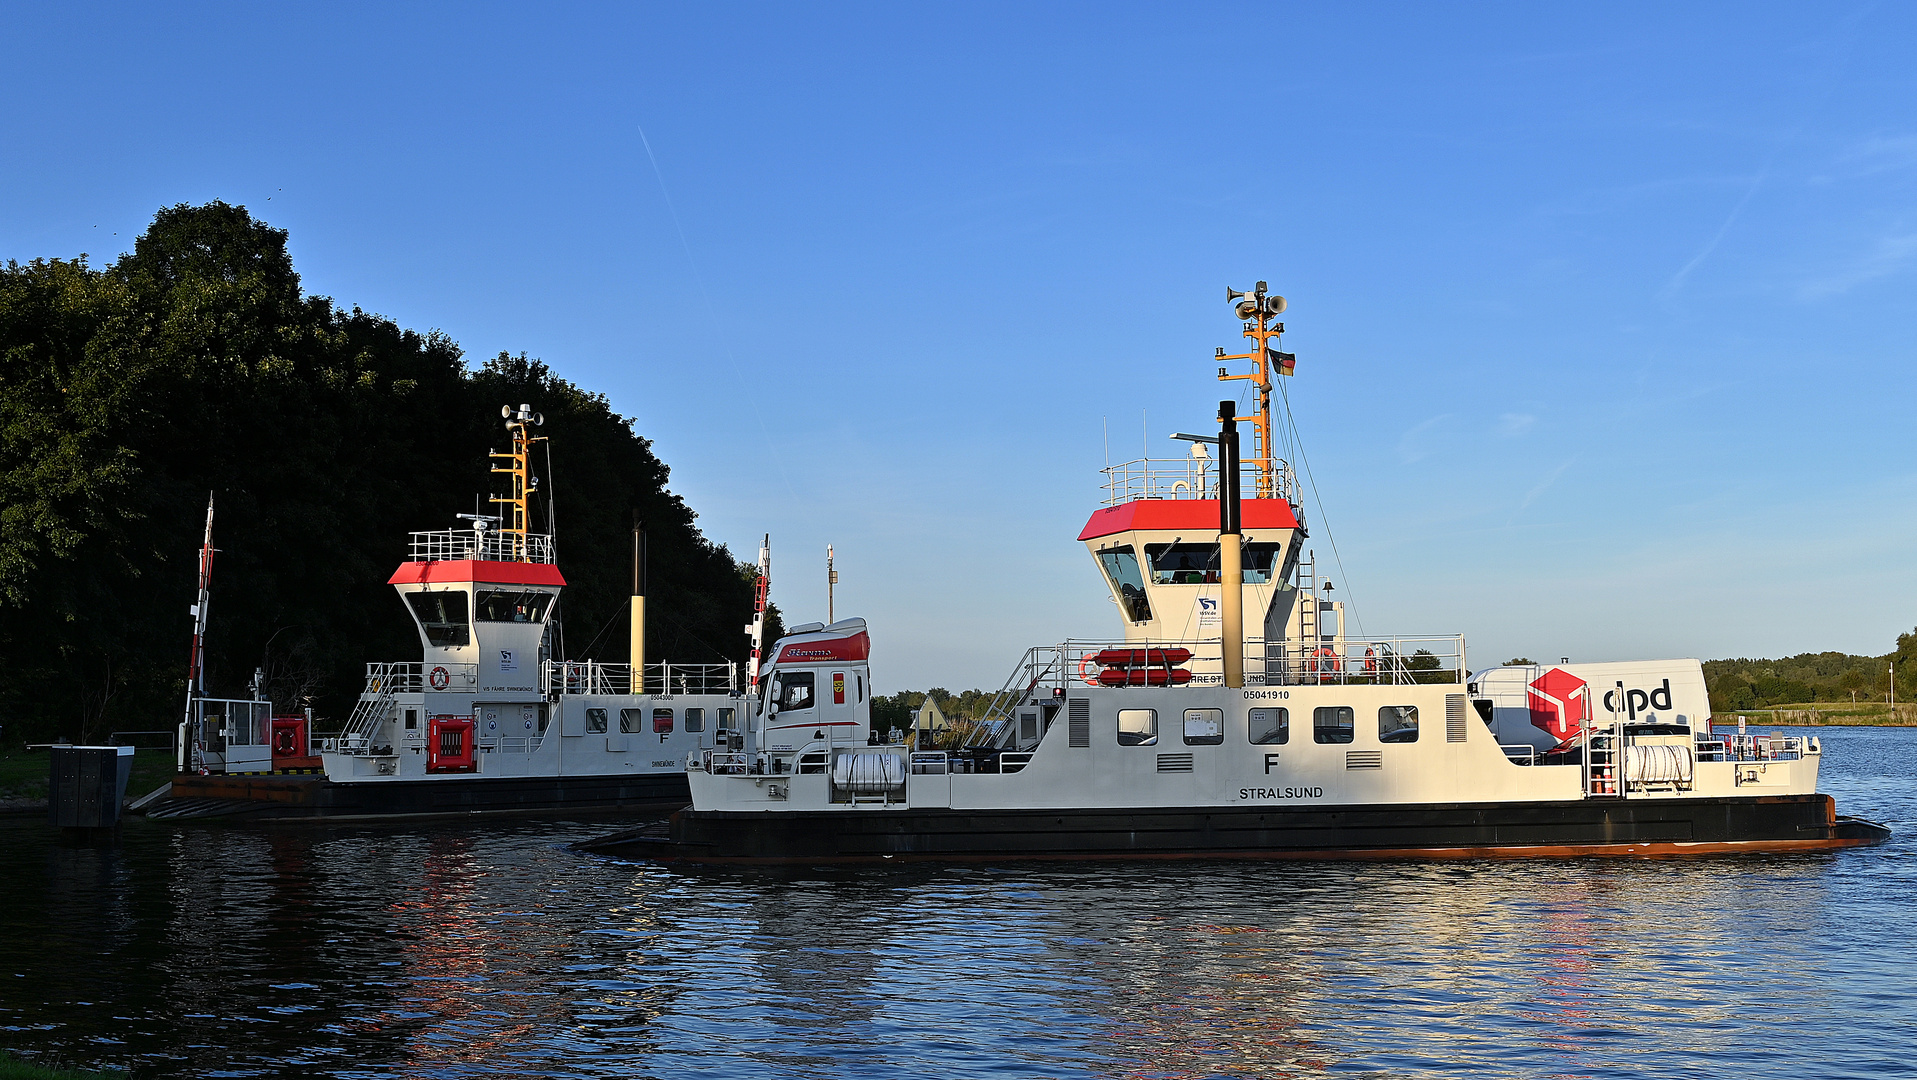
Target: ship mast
<point>1258,310</point>
<point>517,463</point>
<point>196,658</point>
<point>757,627</point>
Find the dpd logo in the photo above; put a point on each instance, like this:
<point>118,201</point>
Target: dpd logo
<point>1560,703</point>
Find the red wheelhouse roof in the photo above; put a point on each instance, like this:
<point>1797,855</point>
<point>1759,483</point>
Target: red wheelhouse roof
<point>1195,514</point>
<point>452,571</point>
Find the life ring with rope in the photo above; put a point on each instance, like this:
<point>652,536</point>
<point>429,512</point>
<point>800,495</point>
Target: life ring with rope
<point>1326,661</point>
<point>1371,661</point>
<point>440,678</point>
<point>1083,663</point>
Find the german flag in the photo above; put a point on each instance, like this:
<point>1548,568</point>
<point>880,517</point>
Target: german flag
<point>1283,363</point>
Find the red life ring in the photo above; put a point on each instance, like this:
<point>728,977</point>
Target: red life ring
<point>1083,664</point>
<point>439,678</point>
<point>1371,662</point>
<point>1327,664</point>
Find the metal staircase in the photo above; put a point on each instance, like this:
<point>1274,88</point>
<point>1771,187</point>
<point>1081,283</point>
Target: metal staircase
<point>374,708</point>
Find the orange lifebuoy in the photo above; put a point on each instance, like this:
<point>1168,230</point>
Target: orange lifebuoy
<point>1327,664</point>
<point>439,678</point>
<point>1084,663</point>
<point>1371,662</point>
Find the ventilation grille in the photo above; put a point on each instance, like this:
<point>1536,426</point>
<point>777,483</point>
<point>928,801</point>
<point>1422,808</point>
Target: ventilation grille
<point>1174,763</point>
<point>1364,759</point>
<point>1454,727</point>
<point>1078,717</point>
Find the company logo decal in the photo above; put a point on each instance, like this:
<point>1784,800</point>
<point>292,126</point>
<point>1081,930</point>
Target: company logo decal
<point>1560,703</point>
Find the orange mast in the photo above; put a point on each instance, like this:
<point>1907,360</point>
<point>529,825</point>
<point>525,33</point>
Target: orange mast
<point>516,463</point>
<point>1258,310</point>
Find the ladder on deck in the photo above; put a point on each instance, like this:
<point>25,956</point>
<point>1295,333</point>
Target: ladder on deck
<point>1603,764</point>
<point>372,710</point>
<point>1307,642</point>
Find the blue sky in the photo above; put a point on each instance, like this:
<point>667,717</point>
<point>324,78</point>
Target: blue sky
<point>1604,318</point>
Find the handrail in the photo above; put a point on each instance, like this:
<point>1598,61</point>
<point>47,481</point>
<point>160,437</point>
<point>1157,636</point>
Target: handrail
<point>453,545</point>
<point>663,679</point>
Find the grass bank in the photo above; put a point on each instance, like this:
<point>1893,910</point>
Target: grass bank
<point>1825,714</point>
<point>13,1068</point>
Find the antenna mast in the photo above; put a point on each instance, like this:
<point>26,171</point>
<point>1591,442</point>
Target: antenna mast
<point>1258,310</point>
<point>517,463</point>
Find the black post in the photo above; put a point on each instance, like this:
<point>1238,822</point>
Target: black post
<point>1228,496</point>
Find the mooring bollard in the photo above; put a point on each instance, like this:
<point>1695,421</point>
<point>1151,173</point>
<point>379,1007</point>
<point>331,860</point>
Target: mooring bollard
<point>86,785</point>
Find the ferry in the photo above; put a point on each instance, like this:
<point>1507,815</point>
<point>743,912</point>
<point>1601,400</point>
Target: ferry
<point>1238,717</point>
<point>487,720</point>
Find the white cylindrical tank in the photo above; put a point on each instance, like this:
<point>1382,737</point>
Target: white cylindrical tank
<point>1657,764</point>
<point>868,774</point>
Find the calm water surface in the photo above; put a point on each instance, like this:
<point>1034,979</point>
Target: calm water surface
<point>485,949</point>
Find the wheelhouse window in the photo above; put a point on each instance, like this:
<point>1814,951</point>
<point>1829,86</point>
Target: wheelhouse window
<point>1137,727</point>
<point>1183,564</point>
<point>511,605</point>
<point>661,721</point>
<point>1121,567</point>
<point>1204,727</point>
<point>595,721</point>
<point>726,719</point>
<point>1259,560</point>
<point>1268,727</point>
<point>1398,723</point>
<point>443,616</point>
<point>794,690</point>
<point>632,721</point>
<point>695,719</point>
<point>1332,724</point>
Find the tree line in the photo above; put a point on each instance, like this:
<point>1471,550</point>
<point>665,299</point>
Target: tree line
<point>1813,677</point>
<point>325,434</point>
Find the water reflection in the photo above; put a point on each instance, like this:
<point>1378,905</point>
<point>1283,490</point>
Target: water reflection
<point>485,949</point>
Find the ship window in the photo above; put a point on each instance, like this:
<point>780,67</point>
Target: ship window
<point>1183,564</point>
<point>726,719</point>
<point>511,605</point>
<point>1268,727</point>
<point>1258,561</point>
<point>443,616</point>
<point>1332,724</point>
<point>1204,727</point>
<point>661,720</point>
<point>595,721</point>
<point>695,719</point>
<point>632,721</point>
<point>1121,567</point>
<point>412,719</point>
<point>795,690</point>
<point>1137,727</point>
<point>1398,723</point>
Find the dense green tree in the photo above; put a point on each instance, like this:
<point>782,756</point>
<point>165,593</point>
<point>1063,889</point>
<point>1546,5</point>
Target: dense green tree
<point>196,364</point>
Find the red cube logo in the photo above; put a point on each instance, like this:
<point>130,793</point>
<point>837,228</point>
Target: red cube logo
<point>1560,703</point>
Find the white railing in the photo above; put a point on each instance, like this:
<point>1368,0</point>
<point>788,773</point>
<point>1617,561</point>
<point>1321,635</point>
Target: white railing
<point>510,744</point>
<point>385,680</point>
<point>1380,661</point>
<point>662,679</point>
<point>452,545</point>
<point>237,721</point>
<point>1190,478</point>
